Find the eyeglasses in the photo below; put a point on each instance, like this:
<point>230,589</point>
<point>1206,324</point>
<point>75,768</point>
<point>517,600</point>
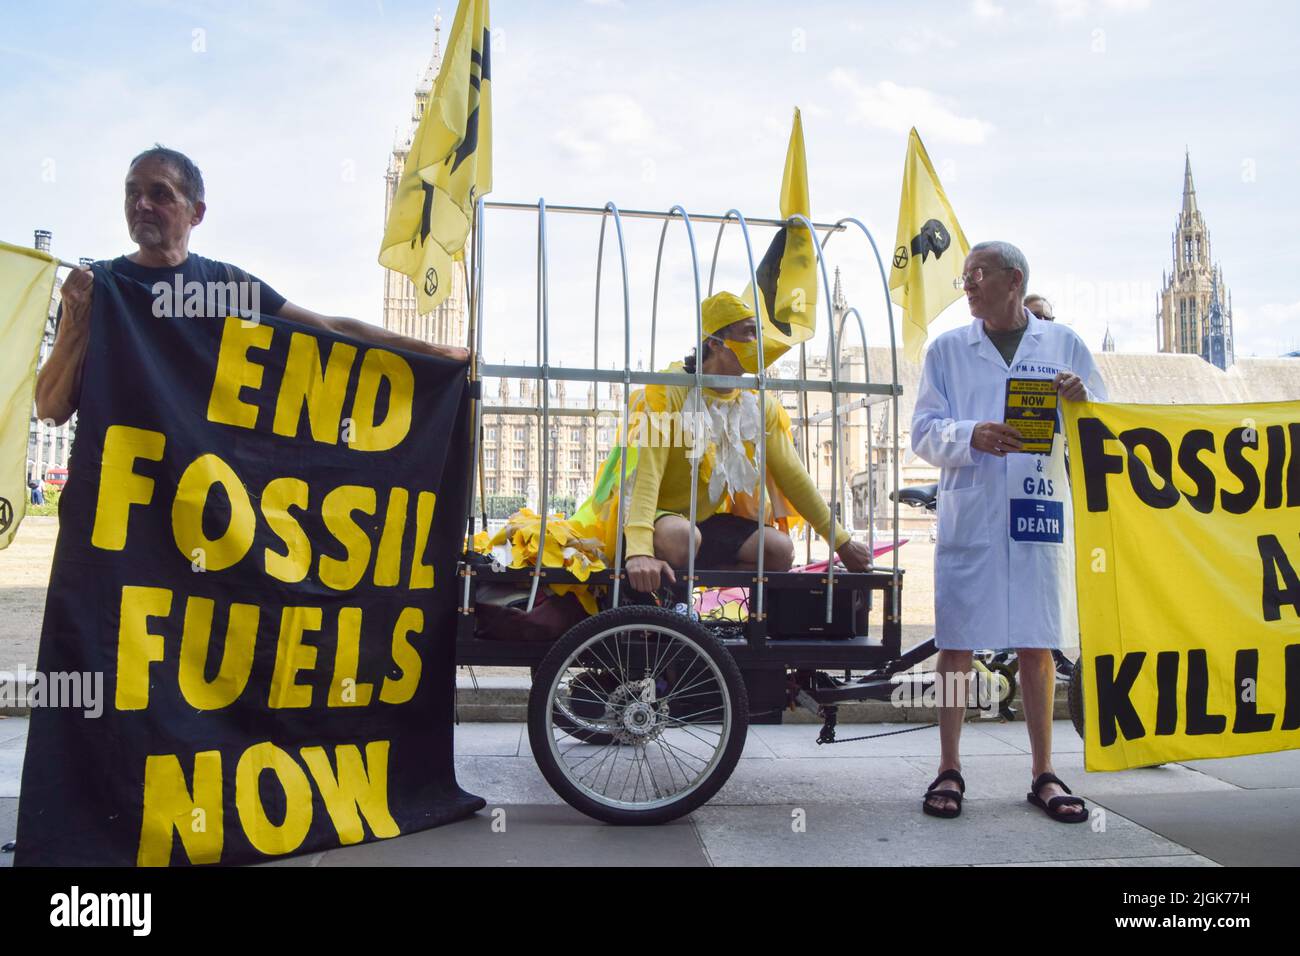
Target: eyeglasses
<point>977,276</point>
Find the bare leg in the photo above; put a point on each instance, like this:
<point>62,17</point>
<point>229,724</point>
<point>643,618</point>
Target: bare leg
<point>1038,693</point>
<point>672,532</point>
<point>778,551</point>
<point>951,674</point>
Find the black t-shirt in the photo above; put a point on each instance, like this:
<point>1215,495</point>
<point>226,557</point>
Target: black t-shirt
<point>212,291</point>
<point>1006,342</point>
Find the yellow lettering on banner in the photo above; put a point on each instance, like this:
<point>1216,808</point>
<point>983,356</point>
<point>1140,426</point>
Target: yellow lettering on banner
<point>354,788</point>
<point>378,366</point>
<point>187,514</point>
<point>136,647</point>
<point>421,573</point>
<point>336,512</point>
<point>236,656</point>
<point>322,388</point>
<point>1194,655</point>
<point>277,497</point>
<point>405,657</point>
<point>345,663</point>
<point>169,806</point>
<point>119,485</point>
<point>235,372</point>
<point>292,656</point>
<point>265,836</point>
<point>388,563</point>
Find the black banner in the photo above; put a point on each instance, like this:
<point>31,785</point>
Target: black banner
<point>257,551</point>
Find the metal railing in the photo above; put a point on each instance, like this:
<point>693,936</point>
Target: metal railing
<point>870,393</point>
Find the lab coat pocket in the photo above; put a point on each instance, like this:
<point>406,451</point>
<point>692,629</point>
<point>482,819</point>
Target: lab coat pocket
<point>963,519</point>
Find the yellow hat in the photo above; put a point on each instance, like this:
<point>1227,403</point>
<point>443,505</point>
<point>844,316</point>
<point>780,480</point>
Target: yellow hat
<point>722,309</point>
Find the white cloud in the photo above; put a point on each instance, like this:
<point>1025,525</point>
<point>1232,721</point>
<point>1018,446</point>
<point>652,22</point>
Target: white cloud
<point>1275,330</point>
<point>1073,9</point>
<point>1069,9</point>
<point>988,10</point>
<point>898,108</point>
<point>918,40</point>
<point>609,120</point>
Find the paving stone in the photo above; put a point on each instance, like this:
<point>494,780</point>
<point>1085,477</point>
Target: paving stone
<point>489,740</point>
<point>1254,771</point>
<point>1234,828</point>
<point>894,833</point>
<point>11,772</point>
<point>532,836</point>
<point>798,742</point>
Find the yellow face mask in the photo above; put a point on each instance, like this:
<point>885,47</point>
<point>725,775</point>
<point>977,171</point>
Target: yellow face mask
<point>746,352</point>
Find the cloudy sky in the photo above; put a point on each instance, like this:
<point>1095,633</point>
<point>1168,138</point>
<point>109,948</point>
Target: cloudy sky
<point>1059,125</point>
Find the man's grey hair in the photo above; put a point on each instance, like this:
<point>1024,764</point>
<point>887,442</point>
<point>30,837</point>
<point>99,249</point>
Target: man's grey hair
<point>1010,256</point>
<point>191,178</point>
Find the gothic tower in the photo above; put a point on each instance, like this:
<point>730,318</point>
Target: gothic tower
<point>445,325</point>
<point>1192,315</point>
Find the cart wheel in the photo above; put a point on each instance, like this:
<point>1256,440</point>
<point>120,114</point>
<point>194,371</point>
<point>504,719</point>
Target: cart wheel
<point>669,698</point>
<point>584,708</point>
<point>1075,698</point>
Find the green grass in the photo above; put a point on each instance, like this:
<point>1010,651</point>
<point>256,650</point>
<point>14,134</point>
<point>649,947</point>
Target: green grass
<point>51,506</point>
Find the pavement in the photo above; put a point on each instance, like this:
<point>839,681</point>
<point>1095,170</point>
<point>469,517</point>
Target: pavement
<point>791,802</point>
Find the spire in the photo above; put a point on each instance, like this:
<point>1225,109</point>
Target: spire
<point>839,304</point>
<point>435,61</point>
<point>1189,190</point>
<point>1108,343</point>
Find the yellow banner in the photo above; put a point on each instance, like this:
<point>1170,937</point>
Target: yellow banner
<point>26,283</point>
<point>1187,537</point>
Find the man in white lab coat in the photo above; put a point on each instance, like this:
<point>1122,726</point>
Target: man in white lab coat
<point>1004,556</point>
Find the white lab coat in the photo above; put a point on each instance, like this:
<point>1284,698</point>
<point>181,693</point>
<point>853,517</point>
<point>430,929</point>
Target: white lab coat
<point>977,605</point>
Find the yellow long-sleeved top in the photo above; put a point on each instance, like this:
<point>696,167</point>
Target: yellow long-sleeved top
<point>663,478</point>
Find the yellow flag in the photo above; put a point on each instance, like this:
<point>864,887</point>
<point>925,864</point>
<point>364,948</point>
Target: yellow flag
<point>929,251</point>
<point>26,282</point>
<point>787,276</point>
<point>449,165</point>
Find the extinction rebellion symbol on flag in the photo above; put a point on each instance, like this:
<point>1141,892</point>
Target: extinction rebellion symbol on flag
<point>6,515</point>
<point>900,257</point>
<point>430,281</point>
<point>933,237</point>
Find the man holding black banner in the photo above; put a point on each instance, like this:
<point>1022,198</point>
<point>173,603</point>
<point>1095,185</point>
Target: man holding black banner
<point>164,202</point>
<point>1004,558</point>
<point>256,558</point>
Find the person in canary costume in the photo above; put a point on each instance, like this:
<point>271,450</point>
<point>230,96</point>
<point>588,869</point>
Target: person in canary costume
<point>668,425</point>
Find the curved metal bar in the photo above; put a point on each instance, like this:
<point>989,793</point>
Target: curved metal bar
<point>893,356</point>
<point>698,396</point>
<point>803,425</point>
<point>835,407</point>
<point>475,343</point>
<point>717,244</point>
<point>759,590</point>
<point>866,371</point>
<point>595,354</point>
<point>627,389</point>
<point>544,357</point>
<point>654,300</point>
